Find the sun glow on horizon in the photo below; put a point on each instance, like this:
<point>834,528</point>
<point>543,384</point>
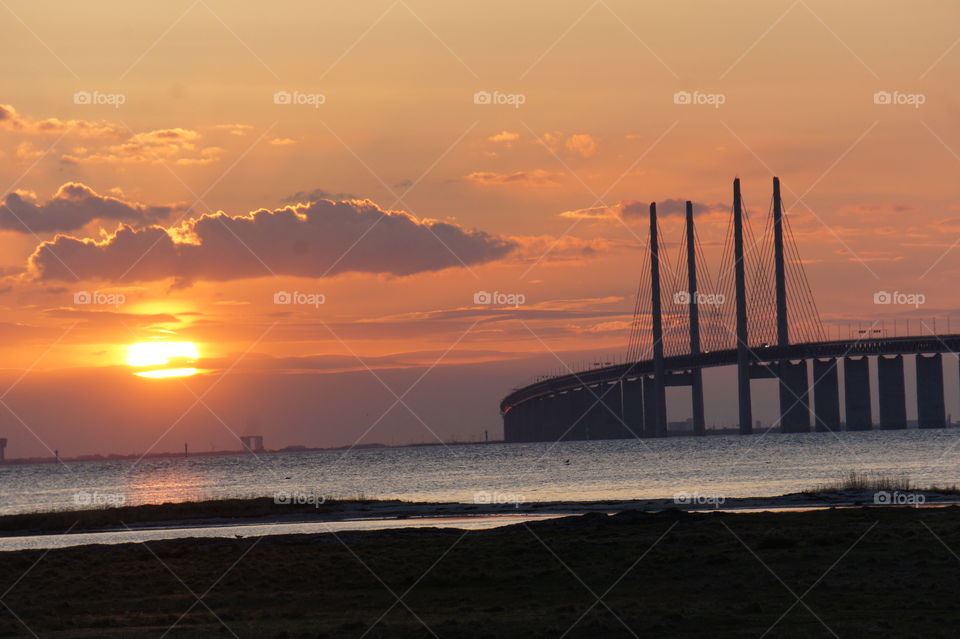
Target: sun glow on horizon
<point>167,372</point>
<point>155,355</point>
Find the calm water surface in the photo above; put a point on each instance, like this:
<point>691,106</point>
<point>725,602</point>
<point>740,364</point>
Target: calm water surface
<point>731,465</point>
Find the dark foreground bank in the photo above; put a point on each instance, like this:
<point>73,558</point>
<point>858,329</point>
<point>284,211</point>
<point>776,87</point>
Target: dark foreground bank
<point>882,572</point>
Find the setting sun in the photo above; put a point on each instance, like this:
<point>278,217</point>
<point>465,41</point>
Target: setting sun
<point>156,355</point>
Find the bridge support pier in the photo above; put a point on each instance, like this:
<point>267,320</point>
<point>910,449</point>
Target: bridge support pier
<point>529,421</point>
<point>856,393</point>
<point>893,397</point>
<point>516,418</point>
<point>580,402</point>
<point>609,423</point>
<point>555,416</point>
<point>510,425</point>
<point>826,395</point>
<point>794,399</point>
<point>931,412</point>
<point>650,411</point>
<point>565,415</point>
<point>696,399</point>
<point>596,413</point>
<point>539,419</point>
<point>633,406</point>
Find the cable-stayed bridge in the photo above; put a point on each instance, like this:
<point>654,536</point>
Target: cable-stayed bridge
<point>758,314</point>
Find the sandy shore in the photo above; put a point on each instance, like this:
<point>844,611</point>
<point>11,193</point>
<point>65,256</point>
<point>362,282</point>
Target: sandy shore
<point>265,511</point>
<point>877,571</point>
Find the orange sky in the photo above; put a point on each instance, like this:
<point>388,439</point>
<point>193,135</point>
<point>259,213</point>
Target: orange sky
<point>154,116</point>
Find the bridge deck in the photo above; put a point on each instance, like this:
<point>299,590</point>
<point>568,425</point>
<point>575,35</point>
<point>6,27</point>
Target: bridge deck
<point>763,355</point>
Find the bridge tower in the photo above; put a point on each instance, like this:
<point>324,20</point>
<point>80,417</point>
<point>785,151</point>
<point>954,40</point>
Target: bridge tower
<point>743,350</point>
<point>658,408</point>
<point>793,380</point>
<point>696,374</point>
<point>780,269</point>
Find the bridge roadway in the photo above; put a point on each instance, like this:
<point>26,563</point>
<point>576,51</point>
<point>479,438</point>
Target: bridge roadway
<point>766,362</point>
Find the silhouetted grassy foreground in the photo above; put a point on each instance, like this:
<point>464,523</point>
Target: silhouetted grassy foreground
<point>701,579</point>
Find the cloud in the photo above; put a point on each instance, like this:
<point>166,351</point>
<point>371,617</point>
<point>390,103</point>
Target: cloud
<point>112,319</point>
<point>537,177</point>
<point>582,144</point>
<point>536,248</point>
<point>504,136</point>
<point>306,240</point>
<point>949,224</point>
<point>317,194</point>
<point>73,206</point>
<point>635,210</point>
<point>11,120</point>
<point>179,146</point>
<point>871,212</point>
<point>106,142</point>
<point>26,152</point>
<point>238,130</point>
<point>282,141</point>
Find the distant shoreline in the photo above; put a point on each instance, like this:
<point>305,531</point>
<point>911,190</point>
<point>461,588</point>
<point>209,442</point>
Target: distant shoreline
<point>215,453</point>
<point>710,432</point>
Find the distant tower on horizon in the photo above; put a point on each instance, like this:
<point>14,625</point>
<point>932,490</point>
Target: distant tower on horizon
<point>3,447</point>
<point>252,443</point>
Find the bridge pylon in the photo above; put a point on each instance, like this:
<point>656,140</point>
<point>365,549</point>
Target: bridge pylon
<point>693,315</point>
<point>744,354</point>
<point>658,410</point>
